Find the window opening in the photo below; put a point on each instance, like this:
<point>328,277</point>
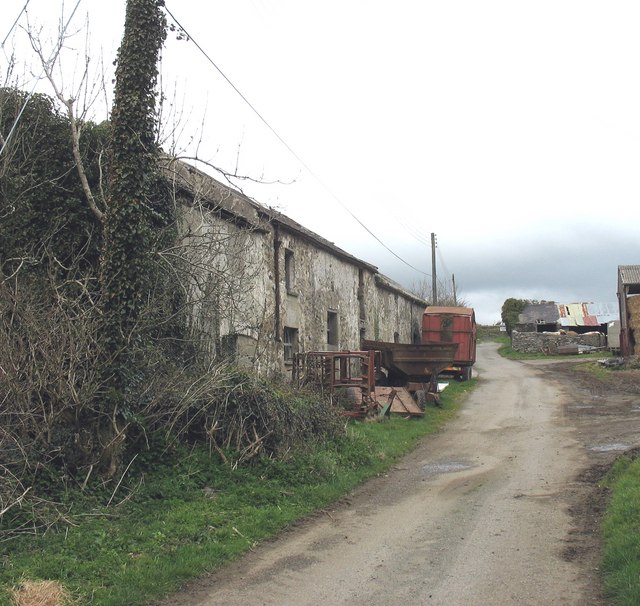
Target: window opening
<point>332,328</point>
<point>289,270</point>
<point>290,342</point>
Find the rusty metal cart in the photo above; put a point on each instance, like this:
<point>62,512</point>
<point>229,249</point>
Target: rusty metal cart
<point>415,366</point>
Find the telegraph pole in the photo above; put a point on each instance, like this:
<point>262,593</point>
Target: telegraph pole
<point>434,281</point>
<point>455,297</point>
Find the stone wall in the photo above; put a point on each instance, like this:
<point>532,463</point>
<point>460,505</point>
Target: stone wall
<point>548,342</point>
<point>261,287</point>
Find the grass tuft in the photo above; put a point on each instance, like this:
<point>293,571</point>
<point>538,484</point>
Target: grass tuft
<point>40,593</point>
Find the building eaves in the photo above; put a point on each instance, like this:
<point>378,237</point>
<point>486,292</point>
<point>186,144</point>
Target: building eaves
<point>388,284</point>
<point>215,196</point>
<point>242,209</point>
<point>299,230</point>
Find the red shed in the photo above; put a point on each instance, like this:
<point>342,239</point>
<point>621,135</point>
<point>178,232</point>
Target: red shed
<point>453,325</point>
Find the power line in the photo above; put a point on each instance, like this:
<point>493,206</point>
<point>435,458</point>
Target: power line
<point>444,265</point>
<point>286,145</point>
<point>24,8</point>
<point>417,235</point>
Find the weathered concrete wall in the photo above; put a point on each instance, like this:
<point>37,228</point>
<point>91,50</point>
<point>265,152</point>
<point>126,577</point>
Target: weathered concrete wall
<point>548,343</point>
<point>322,283</point>
<point>395,315</point>
<point>228,282</point>
<point>253,281</point>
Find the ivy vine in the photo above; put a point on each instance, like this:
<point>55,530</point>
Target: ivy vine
<point>128,235</point>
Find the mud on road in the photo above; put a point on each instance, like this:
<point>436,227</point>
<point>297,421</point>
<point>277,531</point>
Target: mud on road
<point>502,507</point>
<point>606,414</point>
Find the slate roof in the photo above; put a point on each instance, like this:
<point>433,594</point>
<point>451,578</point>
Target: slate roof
<point>241,208</point>
<point>385,282</point>
<point>539,313</point>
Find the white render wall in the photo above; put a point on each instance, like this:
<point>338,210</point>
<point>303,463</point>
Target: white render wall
<point>240,301</point>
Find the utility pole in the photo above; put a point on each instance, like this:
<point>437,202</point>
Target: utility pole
<point>434,280</point>
<point>455,297</point>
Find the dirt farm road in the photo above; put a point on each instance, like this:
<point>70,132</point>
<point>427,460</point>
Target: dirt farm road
<point>482,513</point>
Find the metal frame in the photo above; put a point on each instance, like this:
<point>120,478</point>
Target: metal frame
<point>333,372</point>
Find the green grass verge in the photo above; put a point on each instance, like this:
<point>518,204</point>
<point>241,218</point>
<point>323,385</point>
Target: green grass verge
<point>191,514</point>
<point>621,535</point>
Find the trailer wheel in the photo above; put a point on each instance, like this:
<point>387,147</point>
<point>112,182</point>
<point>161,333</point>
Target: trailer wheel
<point>465,375</point>
<point>421,399</point>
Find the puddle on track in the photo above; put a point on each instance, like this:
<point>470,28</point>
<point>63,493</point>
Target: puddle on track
<point>609,447</point>
<point>448,467</point>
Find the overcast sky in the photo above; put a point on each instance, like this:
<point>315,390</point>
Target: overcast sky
<point>509,129</point>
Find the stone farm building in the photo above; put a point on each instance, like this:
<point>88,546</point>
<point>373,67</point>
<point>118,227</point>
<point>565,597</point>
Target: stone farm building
<point>265,287</point>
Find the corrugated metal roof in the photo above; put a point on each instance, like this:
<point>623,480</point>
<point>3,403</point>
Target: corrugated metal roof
<point>605,312</point>
<point>629,274</point>
<point>587,314</point>
<point>570,314</point>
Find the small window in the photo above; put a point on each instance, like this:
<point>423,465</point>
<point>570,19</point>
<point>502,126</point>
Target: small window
<point>332,328</point>
<point>289,270</point>
<point>396,337</point>
<point>290,341</point>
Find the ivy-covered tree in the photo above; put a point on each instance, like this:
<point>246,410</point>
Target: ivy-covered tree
<point>128,236</point>
<point>511,309</point>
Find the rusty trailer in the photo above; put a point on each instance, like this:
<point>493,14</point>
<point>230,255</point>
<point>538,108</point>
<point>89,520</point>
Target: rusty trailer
<point>415,366</point>
<point>357,381</point>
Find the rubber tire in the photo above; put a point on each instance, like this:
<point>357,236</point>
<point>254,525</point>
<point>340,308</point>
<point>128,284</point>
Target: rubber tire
<point>466,373</point>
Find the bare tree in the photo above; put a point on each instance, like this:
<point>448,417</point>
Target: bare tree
<point>445,289</point>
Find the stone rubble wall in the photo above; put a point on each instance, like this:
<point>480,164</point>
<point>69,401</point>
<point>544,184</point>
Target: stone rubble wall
<point>548,342</point>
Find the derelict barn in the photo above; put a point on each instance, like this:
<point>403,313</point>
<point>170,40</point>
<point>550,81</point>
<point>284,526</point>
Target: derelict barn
<point>558,327</point>
<point>264,287</point>
<point>579,318</point>
<point>629,302</point>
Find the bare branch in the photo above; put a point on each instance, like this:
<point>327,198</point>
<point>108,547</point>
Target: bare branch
<point>230,176</point>
<point>74,123</point>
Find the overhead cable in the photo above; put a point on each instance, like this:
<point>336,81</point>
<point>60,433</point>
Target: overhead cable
<point>24,8</point>
<point>286,145</point>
